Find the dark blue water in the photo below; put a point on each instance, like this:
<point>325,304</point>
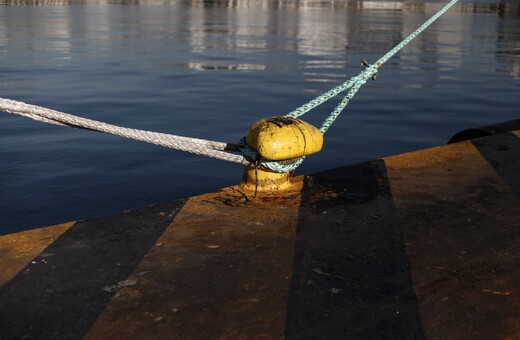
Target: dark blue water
<point>211,68</point>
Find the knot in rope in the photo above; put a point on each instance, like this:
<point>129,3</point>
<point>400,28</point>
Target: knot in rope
<point>366,64</point>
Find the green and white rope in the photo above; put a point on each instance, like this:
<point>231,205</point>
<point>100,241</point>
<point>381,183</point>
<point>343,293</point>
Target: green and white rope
<point>370,71</point>
<point>352,85</point>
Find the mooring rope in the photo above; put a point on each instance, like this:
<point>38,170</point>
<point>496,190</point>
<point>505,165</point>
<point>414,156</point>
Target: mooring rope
<point>192,145</point>
<point>370,70</point>
<point>220,150</point>
<point>352,85</point>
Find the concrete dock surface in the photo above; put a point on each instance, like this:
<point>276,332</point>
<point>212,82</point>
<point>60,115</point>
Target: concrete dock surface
<point>418,245</point>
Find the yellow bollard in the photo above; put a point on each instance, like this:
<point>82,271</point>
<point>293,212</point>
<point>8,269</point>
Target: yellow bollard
<point>281,138</point>
<point>278,139</point>
<point>261,179</point>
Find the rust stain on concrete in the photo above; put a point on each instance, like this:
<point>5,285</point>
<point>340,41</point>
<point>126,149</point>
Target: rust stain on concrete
<point>460,224</point>
<point>17,250</point>
<point>222,269</point>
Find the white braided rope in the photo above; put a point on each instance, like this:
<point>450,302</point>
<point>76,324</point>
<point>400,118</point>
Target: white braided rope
<point>192,145</point>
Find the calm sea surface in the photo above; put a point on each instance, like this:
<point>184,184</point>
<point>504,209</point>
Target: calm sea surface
<point>211,68</point>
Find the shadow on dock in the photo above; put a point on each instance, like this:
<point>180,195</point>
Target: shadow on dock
<point>423,244</point>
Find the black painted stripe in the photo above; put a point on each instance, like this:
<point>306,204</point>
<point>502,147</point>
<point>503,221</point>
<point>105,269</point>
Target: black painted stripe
<point>65,288</point>
<point>351,276</point>
<point>503,153</point>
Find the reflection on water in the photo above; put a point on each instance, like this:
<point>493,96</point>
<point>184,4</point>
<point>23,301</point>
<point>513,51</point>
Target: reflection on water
<point>507,44</point>
<point>210,68</point>
<point>476,7</point>
<point>362,27</point>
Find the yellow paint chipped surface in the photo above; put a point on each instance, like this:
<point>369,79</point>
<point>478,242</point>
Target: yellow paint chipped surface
<point>266,180</point>
<point>281,138</point>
